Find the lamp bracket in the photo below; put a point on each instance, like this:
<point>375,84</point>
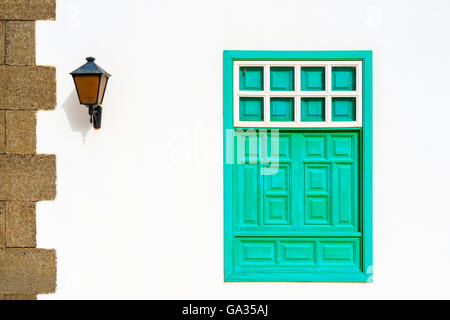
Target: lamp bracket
<point>95,114</point>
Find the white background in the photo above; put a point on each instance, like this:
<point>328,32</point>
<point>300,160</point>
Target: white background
<point>139,210</point>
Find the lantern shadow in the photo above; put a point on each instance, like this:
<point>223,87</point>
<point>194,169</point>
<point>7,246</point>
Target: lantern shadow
<point>77,115</point>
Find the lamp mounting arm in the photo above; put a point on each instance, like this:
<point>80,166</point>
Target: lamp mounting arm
<point>95,114</point>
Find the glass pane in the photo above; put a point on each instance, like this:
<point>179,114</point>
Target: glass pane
<point>344,109</point>
<point>101,92</point>
<point>251,78</point>
<point>313,78</point>
<point>313,109</point>
<point>344,79</point>
<point>87,87</point>
<point>282,79</point>
<point>251,109</point>
<point>282,109</point>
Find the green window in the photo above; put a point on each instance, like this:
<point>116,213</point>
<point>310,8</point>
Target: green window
<point>297,166</point>
<point>298,94</point>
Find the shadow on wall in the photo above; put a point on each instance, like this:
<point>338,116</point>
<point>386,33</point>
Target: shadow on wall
<point>77,115</point>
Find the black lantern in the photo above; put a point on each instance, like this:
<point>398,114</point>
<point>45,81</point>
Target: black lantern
<point>90,81</point>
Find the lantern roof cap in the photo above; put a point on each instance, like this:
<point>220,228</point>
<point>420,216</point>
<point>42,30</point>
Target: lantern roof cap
<point>90,68</point>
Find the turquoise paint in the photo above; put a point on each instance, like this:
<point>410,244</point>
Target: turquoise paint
<point>282,109</point>
<point>343,109</point>
<point>343,79</point>
<point>313,109</point>
<point>290,254</point>
<point>313,78</point>
<point>251,109</point>
<point>315,189</point>
<point>367,171</point>
<point>281,79</point>
<point>300,249</point>
<point>251,79</point>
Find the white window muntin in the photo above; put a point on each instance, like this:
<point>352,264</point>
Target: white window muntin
<point>328,94</point>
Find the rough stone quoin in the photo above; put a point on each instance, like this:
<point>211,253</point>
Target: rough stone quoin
<point>2,131</point>
<point>2,42</point>
<point>27,271</point>
<point>27,177</point>
<point>20,225</point>
<point>27,9</point>
<point>20,43</point>
<point>20,131</point>
<point>27,87</point>
<point>2,225</point>
<point>18,297</point>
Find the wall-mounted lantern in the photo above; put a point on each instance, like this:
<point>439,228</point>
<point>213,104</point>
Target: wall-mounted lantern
<point>90,81</point>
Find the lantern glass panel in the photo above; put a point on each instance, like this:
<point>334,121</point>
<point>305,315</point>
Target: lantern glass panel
<point>88,87</point>
<point>101,93</point>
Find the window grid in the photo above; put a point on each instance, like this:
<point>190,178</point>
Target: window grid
<point>297,94</point>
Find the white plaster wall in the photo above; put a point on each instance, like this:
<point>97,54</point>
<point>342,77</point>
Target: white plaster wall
<point>139,207</point>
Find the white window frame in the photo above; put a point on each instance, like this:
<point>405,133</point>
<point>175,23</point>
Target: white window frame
<point>297,94</point>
